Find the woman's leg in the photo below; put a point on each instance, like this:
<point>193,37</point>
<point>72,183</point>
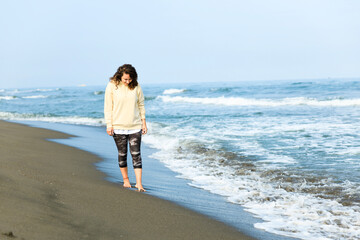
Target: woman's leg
<point>138,175</point>
<point>135,143</point>
<point>121,141</point>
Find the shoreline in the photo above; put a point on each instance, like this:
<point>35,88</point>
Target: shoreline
<point>53,191</point>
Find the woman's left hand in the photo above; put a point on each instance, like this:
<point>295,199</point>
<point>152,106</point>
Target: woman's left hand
<point>144,128</point>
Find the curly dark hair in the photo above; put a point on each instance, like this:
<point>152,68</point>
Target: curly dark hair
<point>128,69</point>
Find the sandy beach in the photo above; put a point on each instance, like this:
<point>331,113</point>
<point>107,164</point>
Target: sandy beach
<point>52,191</point>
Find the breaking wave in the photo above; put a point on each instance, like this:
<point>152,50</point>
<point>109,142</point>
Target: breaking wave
<point>291,203</point>
<point>238,101</point>
<point>173,91</point>
<point>49,118</point>
<point>7,97</point>
<point>36,96</point>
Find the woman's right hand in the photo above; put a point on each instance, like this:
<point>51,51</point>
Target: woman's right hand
<point>110,131</point>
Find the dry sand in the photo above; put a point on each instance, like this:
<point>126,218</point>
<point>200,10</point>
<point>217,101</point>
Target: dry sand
<point>52,191</point>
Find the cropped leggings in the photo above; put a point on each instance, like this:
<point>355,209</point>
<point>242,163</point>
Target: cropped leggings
<point>121,141</point>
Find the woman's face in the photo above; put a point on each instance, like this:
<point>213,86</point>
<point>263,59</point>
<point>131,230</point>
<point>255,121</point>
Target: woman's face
<point>126,79</point>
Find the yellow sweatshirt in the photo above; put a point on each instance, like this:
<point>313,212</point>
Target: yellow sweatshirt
<point>123,108</point>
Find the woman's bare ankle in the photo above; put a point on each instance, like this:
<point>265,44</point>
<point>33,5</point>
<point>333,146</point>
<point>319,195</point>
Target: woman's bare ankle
<point>126,183</point>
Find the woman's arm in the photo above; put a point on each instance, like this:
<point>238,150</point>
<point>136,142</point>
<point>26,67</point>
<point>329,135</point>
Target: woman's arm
<point>108,109</point>
<point>141,105</point>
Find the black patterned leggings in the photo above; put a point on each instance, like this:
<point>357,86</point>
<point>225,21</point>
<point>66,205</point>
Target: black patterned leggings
<point>134,140</point>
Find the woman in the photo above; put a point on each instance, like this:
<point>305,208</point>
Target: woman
<point>125,119</point>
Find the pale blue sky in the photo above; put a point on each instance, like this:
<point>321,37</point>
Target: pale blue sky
<point>64,43</point>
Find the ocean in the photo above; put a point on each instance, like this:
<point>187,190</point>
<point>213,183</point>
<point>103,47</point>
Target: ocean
<point>288,152</point>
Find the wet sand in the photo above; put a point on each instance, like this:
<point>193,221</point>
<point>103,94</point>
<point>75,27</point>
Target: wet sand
<point>52,191</point>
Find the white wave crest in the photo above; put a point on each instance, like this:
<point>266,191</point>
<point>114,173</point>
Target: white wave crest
<point>46,89</point>
<point>70,120</point>
<point>238,101</point>
<point>98,92</point>
<point>173,91</point>
<point>36,96</point>
<point>35,90</point>
<point>7,97</point>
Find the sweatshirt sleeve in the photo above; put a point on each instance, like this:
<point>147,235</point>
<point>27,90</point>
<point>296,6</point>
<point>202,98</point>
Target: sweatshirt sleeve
<point>108,105</point>
<point>141,101</point>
